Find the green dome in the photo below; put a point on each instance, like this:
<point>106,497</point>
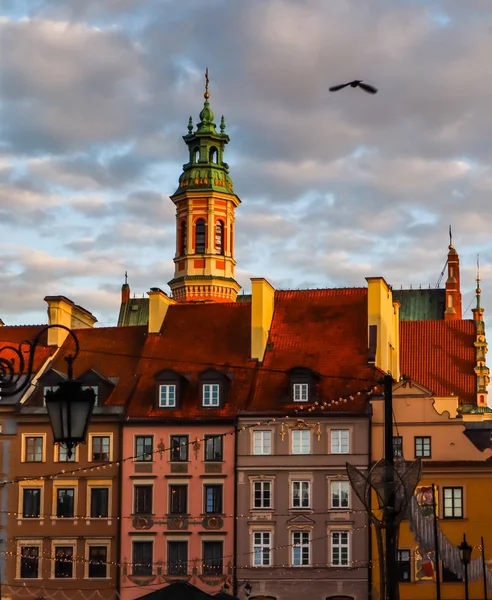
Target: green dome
<point>206,114</point>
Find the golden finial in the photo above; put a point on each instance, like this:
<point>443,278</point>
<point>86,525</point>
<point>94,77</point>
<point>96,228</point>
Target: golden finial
<point>206,95</point>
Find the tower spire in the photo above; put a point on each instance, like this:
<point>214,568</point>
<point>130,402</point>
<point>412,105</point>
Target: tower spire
<point>453,310</point>
<point>482,372</point>
<point>205,205</point>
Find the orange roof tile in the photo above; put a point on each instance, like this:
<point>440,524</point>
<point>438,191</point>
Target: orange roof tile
<point>440,355</point>
<point>21,333</point>
<point>195,337</point>
<point>324,330</point>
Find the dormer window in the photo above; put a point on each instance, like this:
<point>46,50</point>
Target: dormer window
<point>48,388</point>
<point>211,394</point>
<point>94,388</point>
<point>167,395</point>
<point>300,392</point>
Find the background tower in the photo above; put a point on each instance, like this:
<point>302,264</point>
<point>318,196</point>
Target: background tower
<point>205,205</point>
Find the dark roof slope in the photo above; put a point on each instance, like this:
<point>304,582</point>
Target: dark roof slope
<point>178,590</point>
<point>134,312</point>
<point>421,305</point>
<point>324,330</point>
<point>195,337</point>
<point>440,355</point>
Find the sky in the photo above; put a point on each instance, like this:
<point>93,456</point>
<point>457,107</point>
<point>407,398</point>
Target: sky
<point>95,97</point>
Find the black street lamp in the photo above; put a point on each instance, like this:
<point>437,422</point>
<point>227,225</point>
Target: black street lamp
<point>465,551</point>
<point>69,407</point>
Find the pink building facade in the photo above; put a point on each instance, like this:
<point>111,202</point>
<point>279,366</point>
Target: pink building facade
<point>177,506</point>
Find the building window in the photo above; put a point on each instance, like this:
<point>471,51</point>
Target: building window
<point>340,441</point>
<point>63,562</point>
<point>95,389</point>
<point>144,448</point>
<point>403,565</point>
<point>213,499</point>
<point>167,396</point>
<point>100,448</point>
<point>219,237</point>
<point>339,548</point>
<point>262,549</point>
<point>262,494</point>
<point>34,448</point>
<point>214,448</point>
<point>450,577</point>
<point>177,558</point>
<point>99,502</point>
<point>422,447</point>
<point>301,441</point>
<point>143,556</point>
<point>301,494</point>
<point>200,237</point>
<point>63,454</point>
<point>31,503</point>
<point>300,392</point>
<point>301,549</point>
<point>453,502</point>
<point>262,442</point>
<point>142,499</point>
<point>29,562</point>
<point>213,558</point>
<point>179,448</point>
<point>178,499</point>
<point>211,394</point>
<point>98,562</point>
<point>183,238</point>
<point>397,446</point>
<point>65,503</point>
<point>340,494</point>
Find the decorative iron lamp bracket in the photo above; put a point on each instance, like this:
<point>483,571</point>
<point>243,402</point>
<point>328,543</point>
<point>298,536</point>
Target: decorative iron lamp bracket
<point>69,407</point>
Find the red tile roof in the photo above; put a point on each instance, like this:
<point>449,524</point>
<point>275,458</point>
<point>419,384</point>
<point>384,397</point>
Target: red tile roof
<point>440,355</point>
<point>15,335</point>
<point>111,351</point>
<point>20,333</point>
<point>326,331</point>
<point>195,337</point>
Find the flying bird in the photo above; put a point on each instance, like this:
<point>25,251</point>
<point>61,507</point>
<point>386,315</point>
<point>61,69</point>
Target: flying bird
<point>356,83</point>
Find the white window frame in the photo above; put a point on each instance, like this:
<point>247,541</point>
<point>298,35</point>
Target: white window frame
<point>301,441</point>
<point>209,390</point>
<point>29,542</point>
<point>262,483</point>
<point>262,439</point>
<point>262,540</point>
<point>302,544</point>
<point>337,442</point>
<point>300,392</point>
<point>166,399</point>
<point>91,445</point>
<point>340,485</point>
<point>451,499</point>
<point>340,545</point>
<point>302,485</point>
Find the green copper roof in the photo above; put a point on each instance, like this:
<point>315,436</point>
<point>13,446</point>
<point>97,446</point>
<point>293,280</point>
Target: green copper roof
<point>134,312</point>
<point>421,305</point>
<point>206,169</point>
<point>471,409</point>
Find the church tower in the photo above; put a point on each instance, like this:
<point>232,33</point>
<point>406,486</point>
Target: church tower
<point>453,310</point>
<point>205,205</point>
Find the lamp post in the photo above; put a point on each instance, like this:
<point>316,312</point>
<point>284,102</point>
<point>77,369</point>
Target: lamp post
<point>69,407</point>
<point>465,551</point>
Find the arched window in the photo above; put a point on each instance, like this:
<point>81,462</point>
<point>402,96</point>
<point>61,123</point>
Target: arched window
<point>183,236</point>
<point>213,155</point>
<point>219,237</point>
<point>450,301</point>
<point>200,237</point>
<point>196,155</point>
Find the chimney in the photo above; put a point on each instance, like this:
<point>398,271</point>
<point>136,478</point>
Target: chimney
<point>159,302</point>
<point>453,291</point>
<point>383,326</point>
<point>62,311</point>
<point>262,305</point>
<point>125,290</point>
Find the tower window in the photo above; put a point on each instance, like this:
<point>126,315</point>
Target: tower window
<point>183,232</point>
<point>213,155</point>
<point>200,237</point>
<point>219,237</point>
<point>196,155</point>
